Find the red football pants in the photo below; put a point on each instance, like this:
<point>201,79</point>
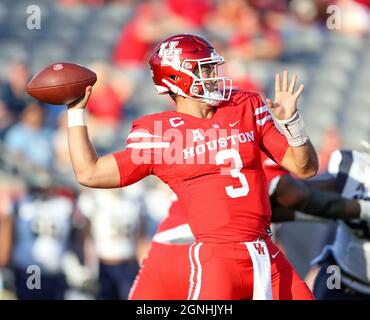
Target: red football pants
<point>164,274</point>
<point>215,271</point>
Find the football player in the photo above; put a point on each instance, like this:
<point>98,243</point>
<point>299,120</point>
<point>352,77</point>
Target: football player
<point>163,274</point>
<point>208,152</point>
<point>314,200</point>
<point>350,171</point>
<point>115,227</point>
<point>42,224</point>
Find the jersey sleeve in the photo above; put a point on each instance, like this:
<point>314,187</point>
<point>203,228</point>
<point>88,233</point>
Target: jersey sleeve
<point>136,161</point>
<point>272,142</point>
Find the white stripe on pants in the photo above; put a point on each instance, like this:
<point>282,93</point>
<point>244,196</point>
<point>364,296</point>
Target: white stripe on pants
<point>195,266</point>
<point>259,254</point>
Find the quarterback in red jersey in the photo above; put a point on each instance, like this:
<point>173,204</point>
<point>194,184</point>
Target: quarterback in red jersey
<point>166,271</point>
<point>208,152</point>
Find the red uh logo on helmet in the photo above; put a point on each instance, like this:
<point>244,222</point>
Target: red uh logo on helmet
<point>170,54</point>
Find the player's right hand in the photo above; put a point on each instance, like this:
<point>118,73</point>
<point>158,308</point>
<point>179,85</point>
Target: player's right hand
<point>82,102</point>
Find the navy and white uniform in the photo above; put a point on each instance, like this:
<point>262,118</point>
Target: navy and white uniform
<point>115,221</point>
<point>42,227</point>
<point>351,247</point>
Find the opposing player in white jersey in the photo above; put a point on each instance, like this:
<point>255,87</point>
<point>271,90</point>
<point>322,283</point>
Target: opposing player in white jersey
<point>42,225</point>
<point>350,170</point>
<point>115,226</point>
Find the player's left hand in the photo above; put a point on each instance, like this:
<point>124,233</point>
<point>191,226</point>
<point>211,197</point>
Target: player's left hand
<point>285,103</point>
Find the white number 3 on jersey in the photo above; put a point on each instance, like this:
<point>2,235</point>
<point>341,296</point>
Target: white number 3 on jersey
<point>232,192</point>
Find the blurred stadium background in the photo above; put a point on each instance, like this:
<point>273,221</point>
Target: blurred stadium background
<point>49,221</point>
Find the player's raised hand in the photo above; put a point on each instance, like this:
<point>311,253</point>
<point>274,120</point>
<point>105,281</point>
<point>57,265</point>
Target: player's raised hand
<point>82,102</point>
<point>284,105</point>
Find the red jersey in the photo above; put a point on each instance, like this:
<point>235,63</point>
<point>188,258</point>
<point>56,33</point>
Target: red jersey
<point>213,165</point>
<point>176,216</point>
<point>271,168</point>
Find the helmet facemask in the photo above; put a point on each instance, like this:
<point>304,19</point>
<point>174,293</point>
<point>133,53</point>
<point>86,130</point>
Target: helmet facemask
<point>207,86</point>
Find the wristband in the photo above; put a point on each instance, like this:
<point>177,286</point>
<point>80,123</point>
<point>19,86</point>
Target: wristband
<point>76,117</point>
<point>294,130</point>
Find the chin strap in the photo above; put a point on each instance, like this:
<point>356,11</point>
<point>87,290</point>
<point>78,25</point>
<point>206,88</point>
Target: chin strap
<point>208,100</point>
<point>217,98</point>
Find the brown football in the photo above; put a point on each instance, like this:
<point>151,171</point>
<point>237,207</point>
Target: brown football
<point>61,83</point>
